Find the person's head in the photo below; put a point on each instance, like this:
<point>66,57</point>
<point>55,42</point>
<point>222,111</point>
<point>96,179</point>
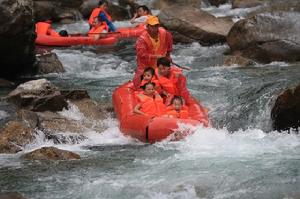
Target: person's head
<point>177,102</point>
<point>103,4</point>
<point>143,10</point>
<point>163,66</point>
<point>152,26</point>
<point>148,74</point>
<point>63,33</point>
<point>148,88</point>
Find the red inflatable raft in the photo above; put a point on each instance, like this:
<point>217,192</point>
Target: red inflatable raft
<point>146,129</point>
<point>131,32</point>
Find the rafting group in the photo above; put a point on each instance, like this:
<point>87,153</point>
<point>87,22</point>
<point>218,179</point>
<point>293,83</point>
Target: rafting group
<point>151,106</point>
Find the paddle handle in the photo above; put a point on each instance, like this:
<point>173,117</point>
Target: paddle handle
<point>183,67</point>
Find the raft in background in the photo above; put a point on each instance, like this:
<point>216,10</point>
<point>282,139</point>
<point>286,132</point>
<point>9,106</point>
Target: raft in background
<point>148,129</point>
<point>77,39</point>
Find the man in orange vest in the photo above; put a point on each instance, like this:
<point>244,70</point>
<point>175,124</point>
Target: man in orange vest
<point>154,43</point>
<point>101,12</point>
<point>44,28</point>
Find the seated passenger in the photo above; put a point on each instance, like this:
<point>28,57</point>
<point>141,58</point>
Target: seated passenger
<point>177,109</point>
<point>141,16</point>
<point>44,28</point>
<point>101,12</point>
<point>150,103</point>
<point>98,27</point>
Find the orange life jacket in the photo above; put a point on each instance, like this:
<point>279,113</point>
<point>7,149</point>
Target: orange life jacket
<point>182,114</point>
<point>95,13</point>
<point>155,81</point>
<point>44,28</point>
<point>97,29</point>
<point>169,84</point>
<point>151,106</point>
<point>162,48</point>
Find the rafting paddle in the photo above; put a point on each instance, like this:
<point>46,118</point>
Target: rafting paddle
<point>183,67</point>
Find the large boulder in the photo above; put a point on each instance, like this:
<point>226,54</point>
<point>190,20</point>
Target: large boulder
<point>48,63</point>
<point>286,112</point>
<point>232,60</point>
<point>38,95</point>
<point>11,195</point>
<point>51,153</point>
<point>190,24</point>
<point>57,10</point>
<point>267,37</point>
<point>247,3</point>
<point>161,4</point>
<point>16,37</point>
<point>14,136</point>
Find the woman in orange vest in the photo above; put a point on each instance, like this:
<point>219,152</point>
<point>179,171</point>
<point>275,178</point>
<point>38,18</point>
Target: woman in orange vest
<point>44,28</point>
<point>101,11</point>
<point>177,109</point>
<point>150,103</point>
<point>98,27</point>
<point>149,76</point>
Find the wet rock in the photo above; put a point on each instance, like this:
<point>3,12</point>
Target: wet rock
<point>38,95</point>
<point>267,37</point>
<point>286,112</point>
<point>237,60</point>
<point>90,109</point>
<point>217,2</point>
<point>246,3</point>
<point>11,196</point>
<point>48,63</point>
<point>57,10</point>
<point>161,4</point>
<point>16,37</point>
<point>51,153</point>
<point>116,12</point>
<point>14,136</point>
<point>193,25</point>
<point>29,119</point>
<point>6,83</point>
<point>75,94</point>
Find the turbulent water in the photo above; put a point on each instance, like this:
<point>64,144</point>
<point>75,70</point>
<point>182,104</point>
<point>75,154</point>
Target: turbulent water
<point>239,157</point>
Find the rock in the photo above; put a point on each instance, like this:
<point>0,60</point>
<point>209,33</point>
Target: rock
<point>28,118</point>
<point>48,63</point>
<point>285,113</point>
<point>14,136</point>
<point>193,25</point>
<point>116,12</point>
<point>6,83</point>
<point>161,4</point>
<point>59,11</point>
<point>11,196</point>
<point>51,153</point>
<point>91,109</point>
<point>237,60</point>
<point>246,3</point>
<point>17,38</point>
<point>267,37</point>
<point>75,94</point>
<point>38,95</point>
<point>217,2</point>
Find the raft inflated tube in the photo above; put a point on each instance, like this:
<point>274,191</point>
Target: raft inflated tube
<point>148,129</point>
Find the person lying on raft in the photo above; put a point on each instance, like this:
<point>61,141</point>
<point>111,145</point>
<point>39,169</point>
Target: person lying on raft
<point>150,103</point>
<point>45,28</point>
<point>177,109</point>
<point>101,11</point>
<point>141,15</point>
<point>98,27</point>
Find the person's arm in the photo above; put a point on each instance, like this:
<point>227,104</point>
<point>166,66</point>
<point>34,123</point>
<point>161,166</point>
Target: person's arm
<point>137,110</point>
<point>133,18</point>
<point>108,22</point>
<point>183,91</point>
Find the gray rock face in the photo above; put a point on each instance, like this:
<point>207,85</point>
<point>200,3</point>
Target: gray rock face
<point>38,95</point>
<point>49,63</point>
<point>11,196</point>
<point>51,153</point>
<point>190,24</point>
<point>247,3</point>
<point>286,111</point>
<point>267,37</point>
<point>16,37</point>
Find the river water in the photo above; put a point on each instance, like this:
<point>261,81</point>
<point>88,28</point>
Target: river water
<point>239,157</point>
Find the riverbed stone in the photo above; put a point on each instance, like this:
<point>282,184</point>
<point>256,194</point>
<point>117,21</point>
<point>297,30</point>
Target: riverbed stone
<point>51,153</point>
<point>48,63</point>
<point>14,136</point>
<point>285,113</point>
<point>11,195</point>
<point>38,95</point>
<point>162,4</point>
<point>247,3</point>
<point>76,94</point>
<point>217,2</point>
<point>267,37</point>
<point>190,24</point>
<point>17,38</point>
<point>231,60</point>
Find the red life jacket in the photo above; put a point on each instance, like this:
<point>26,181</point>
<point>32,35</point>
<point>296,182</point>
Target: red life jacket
<point>95,13</point>
<point>169,83</point>
<point>151,106</point>
<point>44,28</point>
<point>97,29</point>
<point>155,81</point>
<point>182,114</point>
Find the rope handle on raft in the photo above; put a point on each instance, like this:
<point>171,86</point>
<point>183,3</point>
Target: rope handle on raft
<point>183,67</point>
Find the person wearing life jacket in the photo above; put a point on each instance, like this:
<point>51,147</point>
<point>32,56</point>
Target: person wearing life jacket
<point>44,28</point>
<point>101,11</point>
<point>154,43</point>
<point>149,76</point>
<point>141,15</point>
<point>98,27</point>
<point>149,102</point>
<point>177,109</point>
